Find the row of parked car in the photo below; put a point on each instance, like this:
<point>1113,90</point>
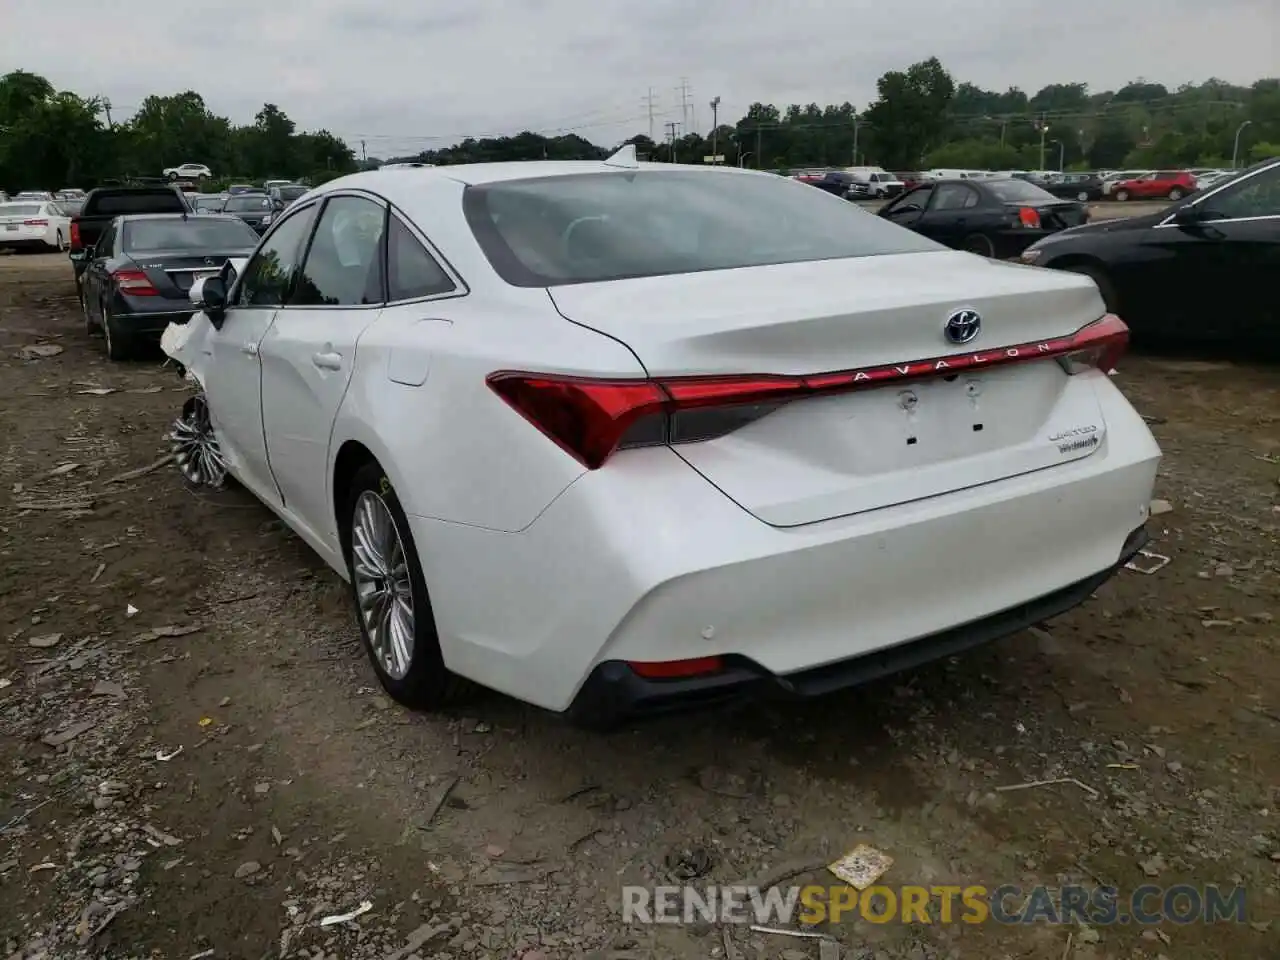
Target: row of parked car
<point>871,183</point>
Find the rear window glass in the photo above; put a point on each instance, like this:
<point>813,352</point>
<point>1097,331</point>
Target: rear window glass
<point>195,234</point>
<point>1018,191</point>
<point>19,209</point>
<point>246,202</point>
<point>609,226</point>
<point>292,193</point>
<point>115,204</point>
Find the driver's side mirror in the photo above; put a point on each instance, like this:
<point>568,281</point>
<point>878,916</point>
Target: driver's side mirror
<point>1189,216</point>
<point>210,294</point>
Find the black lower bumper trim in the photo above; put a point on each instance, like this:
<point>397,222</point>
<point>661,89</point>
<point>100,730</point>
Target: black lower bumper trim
<point>613,692</point>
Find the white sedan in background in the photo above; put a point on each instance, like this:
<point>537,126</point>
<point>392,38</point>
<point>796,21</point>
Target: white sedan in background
<point>614,437</point>
<point>33,225</point>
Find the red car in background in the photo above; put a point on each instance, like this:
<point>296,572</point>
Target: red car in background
<point>1173,184</point>
<point>910,179</point>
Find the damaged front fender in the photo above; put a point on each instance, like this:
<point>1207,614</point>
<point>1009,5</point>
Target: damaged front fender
<point>192,439</point>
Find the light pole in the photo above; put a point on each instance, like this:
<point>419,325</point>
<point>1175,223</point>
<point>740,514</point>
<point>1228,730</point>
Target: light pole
<point>855,140</point>
<point>715,126</point>
<point>1044,129</point>
<point>1235,149</point>
<point>1062,153</point>
<point>742,158</point>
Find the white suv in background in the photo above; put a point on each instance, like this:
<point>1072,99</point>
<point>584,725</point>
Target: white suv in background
<point>188,171</point>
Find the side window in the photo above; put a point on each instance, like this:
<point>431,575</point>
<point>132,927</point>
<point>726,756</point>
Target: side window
<point>105,241</point>
<point>344,264</point>
<point>268,276</point>
<point>911,203</point>
<point>1259,196</point>
<point>412,271</point>
<point>953,196</point>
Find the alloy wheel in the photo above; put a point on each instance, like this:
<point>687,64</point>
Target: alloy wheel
<point>384,590</point>
<point>195,446</point>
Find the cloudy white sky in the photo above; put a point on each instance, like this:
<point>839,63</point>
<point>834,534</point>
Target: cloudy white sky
<point>403,75</point>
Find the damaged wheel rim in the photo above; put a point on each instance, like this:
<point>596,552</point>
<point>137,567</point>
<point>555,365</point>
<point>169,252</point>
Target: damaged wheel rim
<point>384,591</point>
<point>195,447</point>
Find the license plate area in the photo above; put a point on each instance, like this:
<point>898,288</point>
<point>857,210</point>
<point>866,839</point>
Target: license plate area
<point>11,226</point>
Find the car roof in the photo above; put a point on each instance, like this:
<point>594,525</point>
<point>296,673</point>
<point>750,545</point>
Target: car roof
<point>476,174</point>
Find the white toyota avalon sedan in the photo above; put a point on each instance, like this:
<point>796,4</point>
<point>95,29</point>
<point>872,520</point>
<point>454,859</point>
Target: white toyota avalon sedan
<point>614,437</point>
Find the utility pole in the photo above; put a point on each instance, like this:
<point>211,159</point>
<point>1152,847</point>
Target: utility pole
<point>106,107</point>
<point>1044,130</point>
<point>855,139</point>
<point>715,127</point>
<point>683,90</point>
<point>671,138</point>
<point>650,101</point>
<point>364,154</point>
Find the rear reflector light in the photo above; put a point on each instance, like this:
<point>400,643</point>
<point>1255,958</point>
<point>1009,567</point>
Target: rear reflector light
<point>76,243</point>
<point>590,419</point>
<point>135,283</point>
<point>1029,217</point>
<point>35,223</point>
<point>676,669</point>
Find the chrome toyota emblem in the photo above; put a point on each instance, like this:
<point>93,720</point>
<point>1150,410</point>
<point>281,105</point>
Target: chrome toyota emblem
<point>962,326</point>
<point>209,261</point>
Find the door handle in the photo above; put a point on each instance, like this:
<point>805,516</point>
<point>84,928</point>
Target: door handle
<point>250,348</point>
<point>327,361</point>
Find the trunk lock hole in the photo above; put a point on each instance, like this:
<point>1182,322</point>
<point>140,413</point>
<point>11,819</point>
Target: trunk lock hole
<point>977,428</point>
<point>911,440</point>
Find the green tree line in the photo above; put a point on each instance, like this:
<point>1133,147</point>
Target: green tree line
<point>921,118</point>
<point>51,139</point>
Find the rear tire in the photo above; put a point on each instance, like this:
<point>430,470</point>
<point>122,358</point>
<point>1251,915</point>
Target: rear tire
<point>173,175</point>
<point>118,344</point>
<point>1176,193</point>
<point>1083,196</point>
<point>425,683</point>
<point>979,244</point>
<point>61,243</point>
<point>1105,286</point>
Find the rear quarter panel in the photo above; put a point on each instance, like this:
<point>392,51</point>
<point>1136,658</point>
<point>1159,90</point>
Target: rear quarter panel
<point>451,447</point>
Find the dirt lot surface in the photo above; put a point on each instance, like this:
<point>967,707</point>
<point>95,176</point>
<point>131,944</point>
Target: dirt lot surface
<point>196,762</point>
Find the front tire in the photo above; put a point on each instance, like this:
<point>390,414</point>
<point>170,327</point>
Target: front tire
<point>172,175</point>
<point>389,592</point>
<point>1105,287</point>
<point>1122,195</point>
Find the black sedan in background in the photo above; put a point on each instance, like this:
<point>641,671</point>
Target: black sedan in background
<point>996,217</point>
<point>1203,270</point>
<point>138,274</point>
<point>255,209</point>
<point>1075,186</point>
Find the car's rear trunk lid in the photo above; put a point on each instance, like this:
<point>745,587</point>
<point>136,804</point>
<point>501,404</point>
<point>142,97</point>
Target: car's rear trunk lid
<point>173,272</point>
<point>829,456</point>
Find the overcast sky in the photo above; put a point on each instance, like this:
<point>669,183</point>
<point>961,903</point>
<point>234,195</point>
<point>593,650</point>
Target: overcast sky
<point>404,75</point>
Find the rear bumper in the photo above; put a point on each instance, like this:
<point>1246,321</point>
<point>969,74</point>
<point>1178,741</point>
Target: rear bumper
<point>147,323</point>
<point>28,243</point>
<point>646,561</point>
<point>614,692</point>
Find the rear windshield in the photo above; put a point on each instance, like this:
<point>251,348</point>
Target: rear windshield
<point>195,234</point>
<point>209,203</point>
<point>158,201</point>
<point>19,209</point>
<point>609,226</point>
<point>247,202</point>
<point>1018,191</point>
<point>292,193</point>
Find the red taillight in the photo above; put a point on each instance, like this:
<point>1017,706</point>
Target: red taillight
<point>590,419</point>
<point>1099,345</point>
<point>75,236</point>
<point>676,669</point>
<point>135,283</point>
<point>1029,217</point>
<point>35,223</point>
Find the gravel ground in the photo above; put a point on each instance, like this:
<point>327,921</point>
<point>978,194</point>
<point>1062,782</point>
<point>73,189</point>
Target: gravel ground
<point>197,762</point>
